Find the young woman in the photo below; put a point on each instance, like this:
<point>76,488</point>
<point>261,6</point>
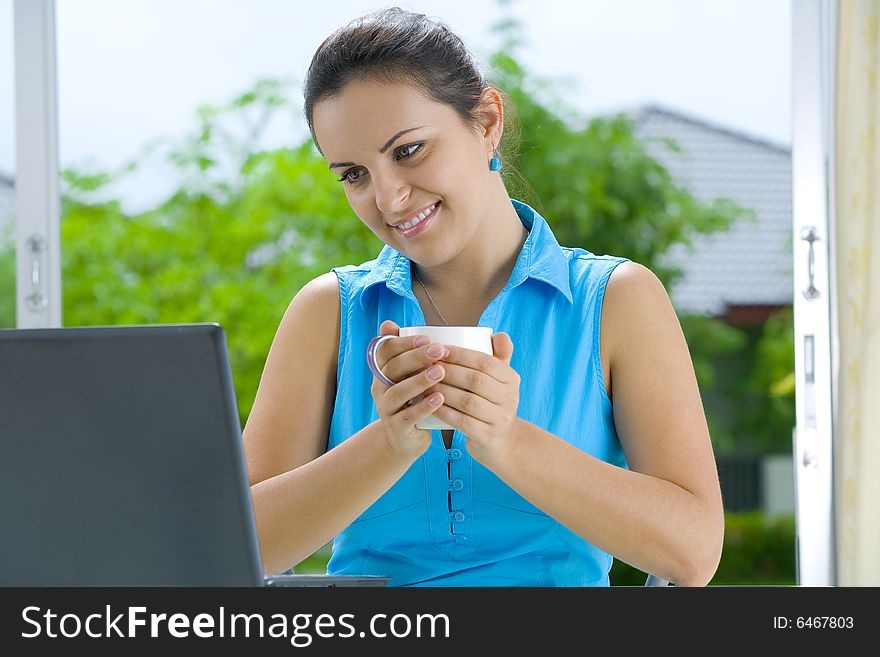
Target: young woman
<point>582,437</point>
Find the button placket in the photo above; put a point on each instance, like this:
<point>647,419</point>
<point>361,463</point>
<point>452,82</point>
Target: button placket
<point>458,494</point>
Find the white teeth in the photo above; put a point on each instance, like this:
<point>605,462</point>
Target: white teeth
<point>409,224</point>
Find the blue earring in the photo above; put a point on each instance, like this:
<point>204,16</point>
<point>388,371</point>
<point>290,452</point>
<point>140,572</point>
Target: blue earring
<point>495,162</point>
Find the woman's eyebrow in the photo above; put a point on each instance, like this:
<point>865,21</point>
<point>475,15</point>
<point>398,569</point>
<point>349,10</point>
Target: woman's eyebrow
<point>395,137</point>
<point>387,145</point>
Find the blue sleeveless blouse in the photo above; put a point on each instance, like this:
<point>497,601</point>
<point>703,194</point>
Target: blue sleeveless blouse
<point>449,521</point>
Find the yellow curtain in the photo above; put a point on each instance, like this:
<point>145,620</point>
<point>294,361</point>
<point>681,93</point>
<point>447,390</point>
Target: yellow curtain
<point>857,176</point>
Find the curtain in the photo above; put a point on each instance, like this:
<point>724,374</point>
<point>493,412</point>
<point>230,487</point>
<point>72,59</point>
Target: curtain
<point>857,211</point>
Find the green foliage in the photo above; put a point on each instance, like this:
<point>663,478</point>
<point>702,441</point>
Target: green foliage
<point>711,343</point>
<point>750,402</point>
<point>758,550</point>
<point>767,394</point>
<point>713,338</point>
<point>7,277</point>
<point>317,562</point>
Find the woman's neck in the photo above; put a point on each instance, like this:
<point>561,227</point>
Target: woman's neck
<point>477,274</point>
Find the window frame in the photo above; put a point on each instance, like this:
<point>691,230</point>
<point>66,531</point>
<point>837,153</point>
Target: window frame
<point>37,189</point>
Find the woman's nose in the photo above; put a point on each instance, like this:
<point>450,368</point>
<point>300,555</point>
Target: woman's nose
<point>392,193</point>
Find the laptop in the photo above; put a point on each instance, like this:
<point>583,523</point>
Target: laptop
<point>121,462</point>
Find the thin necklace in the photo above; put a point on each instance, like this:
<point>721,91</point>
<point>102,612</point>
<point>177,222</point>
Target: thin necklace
<point>430,299</point>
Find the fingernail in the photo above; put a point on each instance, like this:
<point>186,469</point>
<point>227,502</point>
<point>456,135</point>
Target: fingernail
<point>435,372</point>
<point>434,400</point>
<point>422,340</point>
<point>435,350</point>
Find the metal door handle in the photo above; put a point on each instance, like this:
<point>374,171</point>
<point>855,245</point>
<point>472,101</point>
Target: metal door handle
<point>36,300</point>
<point>810,235</point>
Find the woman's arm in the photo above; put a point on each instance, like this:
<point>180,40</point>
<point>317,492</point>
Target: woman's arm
<point>664,515</point>
<point>302,496</point>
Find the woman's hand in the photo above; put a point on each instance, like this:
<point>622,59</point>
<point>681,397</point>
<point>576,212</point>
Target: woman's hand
<point>406,360</point>
<point>481,396</point>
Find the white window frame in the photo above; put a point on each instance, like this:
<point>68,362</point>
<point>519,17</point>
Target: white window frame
<point>814,41</point>
<point>37,196</point>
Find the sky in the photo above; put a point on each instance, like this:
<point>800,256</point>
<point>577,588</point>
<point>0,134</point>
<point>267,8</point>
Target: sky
<point>132,71</point>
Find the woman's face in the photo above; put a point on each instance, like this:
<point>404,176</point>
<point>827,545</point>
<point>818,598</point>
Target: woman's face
<point>401,156</point>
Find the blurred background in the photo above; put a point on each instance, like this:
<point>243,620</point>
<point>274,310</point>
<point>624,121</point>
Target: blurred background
<point>661,132</point>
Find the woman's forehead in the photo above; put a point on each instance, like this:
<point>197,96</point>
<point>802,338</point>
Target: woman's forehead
<point>364,115</point>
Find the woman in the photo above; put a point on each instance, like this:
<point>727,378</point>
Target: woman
<point>544,478</point>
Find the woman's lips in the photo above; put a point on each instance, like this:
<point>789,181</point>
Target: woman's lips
<point>420,227</point>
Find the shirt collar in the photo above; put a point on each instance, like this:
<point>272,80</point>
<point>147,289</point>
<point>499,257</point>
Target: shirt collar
<point>540,258</point>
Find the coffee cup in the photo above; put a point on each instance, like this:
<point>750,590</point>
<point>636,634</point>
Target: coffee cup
<point>477,338</point>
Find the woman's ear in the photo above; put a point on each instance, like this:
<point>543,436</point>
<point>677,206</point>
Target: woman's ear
<point>491,114</point>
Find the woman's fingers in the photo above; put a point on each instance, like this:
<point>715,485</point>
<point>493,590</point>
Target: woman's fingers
<point>419,410</point>
<point>414,387</point>
<point>465,402</point>
<point>405,404</point>
<point>400,358</point>
<point>388,327</point>
<point>467,383</point>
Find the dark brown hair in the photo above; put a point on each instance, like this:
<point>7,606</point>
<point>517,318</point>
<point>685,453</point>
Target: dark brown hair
<point>400,47</point>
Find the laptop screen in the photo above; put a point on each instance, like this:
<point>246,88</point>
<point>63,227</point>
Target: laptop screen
<point>121,461</point>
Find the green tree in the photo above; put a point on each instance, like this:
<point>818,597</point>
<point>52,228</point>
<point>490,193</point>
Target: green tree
<point>766,394</point>
<point>7,276</point>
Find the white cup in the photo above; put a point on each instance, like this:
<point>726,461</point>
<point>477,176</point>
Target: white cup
<point>477,338</point>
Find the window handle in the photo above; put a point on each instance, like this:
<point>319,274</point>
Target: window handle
<point>810,235</point>
<point>36,300</point>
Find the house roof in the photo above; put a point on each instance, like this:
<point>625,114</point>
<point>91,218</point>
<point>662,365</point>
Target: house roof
<point>750,264</point>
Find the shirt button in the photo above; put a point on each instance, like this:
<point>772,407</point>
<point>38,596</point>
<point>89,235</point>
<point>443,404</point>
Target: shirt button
<point>457,484</point>
<point>454,454</point>
<point>458,516</point>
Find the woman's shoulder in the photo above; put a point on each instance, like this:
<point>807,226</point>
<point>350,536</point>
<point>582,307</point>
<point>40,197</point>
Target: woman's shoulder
<point>311,321</point>
<point>321,290</point>
<point>631,283</point>
<point>636,305</point>
<point>316,303</point>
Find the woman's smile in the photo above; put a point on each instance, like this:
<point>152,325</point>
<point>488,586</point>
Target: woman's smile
<point>418,224</point>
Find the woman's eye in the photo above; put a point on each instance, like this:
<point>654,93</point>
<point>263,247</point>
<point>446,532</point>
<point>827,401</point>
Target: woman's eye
<point>351,176</point>
<point>407,151</point>
<point>355,174</point>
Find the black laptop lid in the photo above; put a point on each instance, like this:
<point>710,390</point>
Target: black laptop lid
<point>121,460</point>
